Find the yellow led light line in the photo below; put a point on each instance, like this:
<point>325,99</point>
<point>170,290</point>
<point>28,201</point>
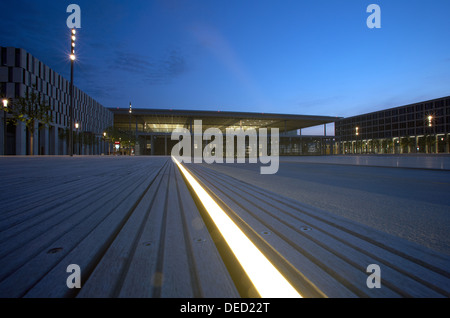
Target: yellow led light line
<point>267,280</point>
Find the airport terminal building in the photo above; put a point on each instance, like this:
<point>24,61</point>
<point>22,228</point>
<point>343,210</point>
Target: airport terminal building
<point>151,129</point>
<point>416,128</point>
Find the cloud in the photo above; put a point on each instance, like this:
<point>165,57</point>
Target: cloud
<point>148,69</point>
<point>107,78</point>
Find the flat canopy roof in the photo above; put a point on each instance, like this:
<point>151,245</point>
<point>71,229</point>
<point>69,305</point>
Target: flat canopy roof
<point>218,119</point>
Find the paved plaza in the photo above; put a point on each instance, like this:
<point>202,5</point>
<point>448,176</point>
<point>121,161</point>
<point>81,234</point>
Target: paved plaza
<point>135,227</point>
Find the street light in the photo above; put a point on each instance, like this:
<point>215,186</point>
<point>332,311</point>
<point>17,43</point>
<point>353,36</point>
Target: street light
<point>356,138</point>
<point>72,59</point>
<point>129,128</point>
<point>430,124</point>
<point>5,107</point>
<point>72,45</point>
<point>107,142</point>
<point>77,125</point>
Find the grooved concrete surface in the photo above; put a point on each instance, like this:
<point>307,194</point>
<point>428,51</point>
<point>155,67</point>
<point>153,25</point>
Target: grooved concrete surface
<point>132,225</point>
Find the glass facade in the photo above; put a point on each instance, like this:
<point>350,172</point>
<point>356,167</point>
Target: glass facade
<point>152,130</point>
<point>417,128</point>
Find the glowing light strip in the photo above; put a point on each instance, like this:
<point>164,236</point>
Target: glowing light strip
<point>267,280</point>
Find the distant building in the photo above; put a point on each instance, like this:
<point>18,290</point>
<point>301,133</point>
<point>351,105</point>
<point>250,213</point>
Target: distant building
<point>19,72</point>
<point>421,127</point>
<point>152,129</point>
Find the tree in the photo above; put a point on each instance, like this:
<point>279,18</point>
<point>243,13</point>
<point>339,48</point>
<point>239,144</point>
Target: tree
<point>127,139</point>
<point>430,141</point>
<point>31,109</point>
<point>390,145</point>
<point>421,143</point>
<point>376,145</point>
<point>88,139</point>
<point>384,145</point>
<point>406,142</point>
<point>359,146</point>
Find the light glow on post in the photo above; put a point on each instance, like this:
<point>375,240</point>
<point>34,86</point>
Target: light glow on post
<point>72,47</point>
<point>268,281</point>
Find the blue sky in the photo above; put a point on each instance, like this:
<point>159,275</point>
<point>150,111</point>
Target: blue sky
<point>314,57</point>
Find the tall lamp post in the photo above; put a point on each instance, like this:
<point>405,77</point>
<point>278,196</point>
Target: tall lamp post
<point>5,107</point>
<point>432,131</point>
<point>106,141</point>
<point>129,128</point>
<point>77,125</point>
<point>72,59</point>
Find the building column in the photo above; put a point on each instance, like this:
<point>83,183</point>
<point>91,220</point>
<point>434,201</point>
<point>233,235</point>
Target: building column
<point>64,145</point>
<point>45,140</point>
<point>2,134</point>
<point>300,145</point>
<point>21,139</point>
<point>136,135</point>
<point>436,143</point>
<point>36,139</point>
<point>447,150</point>
<point>165,145</point>
<point>137,147</point>
<point>393,145</point>
<point>416,143</point>
<point>192,139</point>
<point>152,146</point>
<point>54,146</point>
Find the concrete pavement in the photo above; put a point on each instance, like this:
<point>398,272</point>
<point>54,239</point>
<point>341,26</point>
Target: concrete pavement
<point>416,161</point>
<point>412,204</point>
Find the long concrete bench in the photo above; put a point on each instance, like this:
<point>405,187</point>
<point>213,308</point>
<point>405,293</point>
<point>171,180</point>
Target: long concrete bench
<point>130,224</point>
<point>324,255</point>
